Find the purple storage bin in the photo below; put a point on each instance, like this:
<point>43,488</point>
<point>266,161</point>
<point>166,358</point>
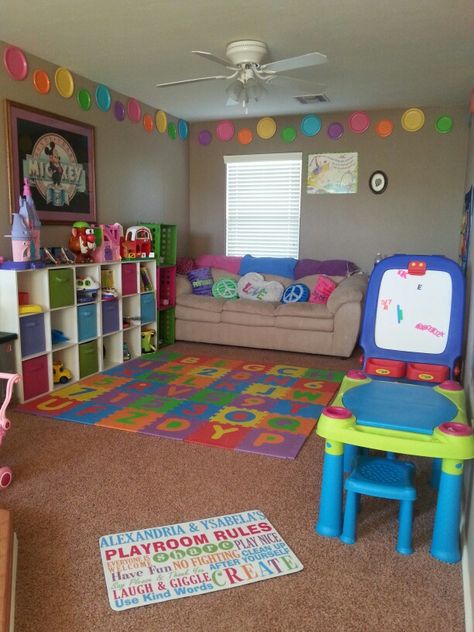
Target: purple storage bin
<point>32,334</point>
<point>110,316</point>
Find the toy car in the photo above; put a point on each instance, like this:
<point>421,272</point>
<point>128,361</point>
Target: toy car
<point>61,375</point>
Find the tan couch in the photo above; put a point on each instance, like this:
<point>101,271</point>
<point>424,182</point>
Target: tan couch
<point>330,329</point>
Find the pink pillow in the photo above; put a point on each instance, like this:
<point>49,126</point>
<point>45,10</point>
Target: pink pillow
<point>222,262</point>
<point>323,290</point>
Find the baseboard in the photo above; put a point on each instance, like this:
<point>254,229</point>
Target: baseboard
<point>466,582</point>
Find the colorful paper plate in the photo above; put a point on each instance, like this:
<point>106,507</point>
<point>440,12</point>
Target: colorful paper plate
<point>161,121</point>
<point>384,128</point>
<point>148,122</point>
<point>64,82</point>
<point>245,136</point>
<point>288,134</point>
<point>172,132</point>
<point>266,127</point>
<point>205,137</point>
<point>15,63</point>
<point>103,98</point>
<point>359,122</point>
<point>134,110</point>
<point>413,120</point>
<point>225,130</point>
<point>84,99</point>
<point>41,81</point>
<point>119,111</point>
<point>335,131</point>
<point>310,125</point>
<point>183,129</point>
<point>444,124</point>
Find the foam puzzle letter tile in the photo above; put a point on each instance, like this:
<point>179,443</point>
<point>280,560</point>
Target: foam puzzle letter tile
<point>267,390</point>
<point>301,409</point>
<point>243,417</point>
<point>49,405</point>
<point>217,435</point>
<point>196,410</point>
<point>176,391</point>
<point>211,396</point>
<point>172,428</point>
<point>256,402</point>
<point>118,397</point>
<point>79,393</point>
<point>155,403</point>
<point>287,369</point>
<point>288,423</point>
<point>277,444</point>
<point>211,372</point>
<point>129,419</point>
<point>105,382</point>
<point>193,380</point>
<point>89,413</point>
<point>279,380</point>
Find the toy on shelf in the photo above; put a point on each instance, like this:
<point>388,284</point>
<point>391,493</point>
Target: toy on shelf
<point>82,242</point>
<point>109,293</point>
<point>61,375</point>
<point>57,337</point>
<point>126,352</point>
<point>29,308</point>
<point>86,289</point>
<point>55,255</point>
<point>22,240</point>
<point>147,340</point>
<point>6,475</point>
<point>108,241</point>
<point>137,243</point>
<point>31,219</point>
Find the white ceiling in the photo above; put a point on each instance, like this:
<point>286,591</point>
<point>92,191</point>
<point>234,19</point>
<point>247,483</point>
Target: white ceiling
<point>381,53</point>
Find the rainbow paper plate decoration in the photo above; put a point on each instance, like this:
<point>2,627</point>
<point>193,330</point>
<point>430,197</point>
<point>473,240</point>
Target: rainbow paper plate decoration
<point>310,125</point>
<point>161,121</point>
<point>288,134</point>
<point>172,131</point>
<point>84,99</point>
<point>413,120</point>
<point>64,82</point>
<point>41,81</point>
<point>15,63</point>
<point>335,131</point>
<point>103,98</point>
<point>134,110</point>
<point>444,124</point>
<point>119,111</point>
<point>205,137</point>
<point>183,129</point>
<point>225,130</point>
<point>148,122</point>
<point>359,122</point>
<point>245,136</point>
<point>266,128</point>
<point>384,128</point>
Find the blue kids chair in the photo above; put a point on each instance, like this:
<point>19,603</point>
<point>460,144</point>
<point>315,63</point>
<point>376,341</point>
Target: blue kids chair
<point>382,478</point>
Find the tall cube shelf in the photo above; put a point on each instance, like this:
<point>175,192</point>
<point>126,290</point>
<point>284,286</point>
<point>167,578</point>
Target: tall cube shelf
<point>79,329</point>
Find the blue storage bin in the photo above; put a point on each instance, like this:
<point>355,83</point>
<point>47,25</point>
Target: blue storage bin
<point>87,322</point>
<point>110,316</point>
<point>33,339</point>
<point>147,308</point>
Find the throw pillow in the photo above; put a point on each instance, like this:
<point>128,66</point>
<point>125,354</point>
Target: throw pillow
<point>323,290</point>
<point>201,281</point>
<point>225,288</point>
<point>296,293</point>
<point>279,266</point>
<point>332,267</point>
<point>254,286</point>
<point>184,265</point>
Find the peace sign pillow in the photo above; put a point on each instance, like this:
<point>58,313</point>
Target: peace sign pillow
<point>296,293</point>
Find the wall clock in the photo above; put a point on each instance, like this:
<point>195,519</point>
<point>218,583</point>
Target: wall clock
<point>378,182</point>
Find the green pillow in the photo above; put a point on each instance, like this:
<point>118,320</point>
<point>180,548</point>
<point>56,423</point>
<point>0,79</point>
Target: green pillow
<point>225,288</point>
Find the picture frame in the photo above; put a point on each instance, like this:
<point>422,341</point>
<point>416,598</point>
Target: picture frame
<point>378,182</point>
<point>57,155</point>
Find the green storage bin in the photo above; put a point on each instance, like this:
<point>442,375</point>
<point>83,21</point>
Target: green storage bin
<point>167,245</point>
<point>88,358</point>
<point>61,287</point>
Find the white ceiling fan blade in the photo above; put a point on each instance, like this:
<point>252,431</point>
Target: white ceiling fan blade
<point>183,81</point>
<point>292,63</point>
<point>212,57</point>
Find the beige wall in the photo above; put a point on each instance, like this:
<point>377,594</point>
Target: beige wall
<point>420,211</point>
<point>139,175</point>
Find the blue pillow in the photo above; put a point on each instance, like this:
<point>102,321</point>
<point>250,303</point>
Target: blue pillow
<point>280,266</point>
<point>296,293</point>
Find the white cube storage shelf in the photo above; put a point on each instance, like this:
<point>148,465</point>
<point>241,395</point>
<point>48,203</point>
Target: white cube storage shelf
<point>93,331</point>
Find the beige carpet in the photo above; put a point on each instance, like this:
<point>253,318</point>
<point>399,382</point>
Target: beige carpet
<point>75,483</point>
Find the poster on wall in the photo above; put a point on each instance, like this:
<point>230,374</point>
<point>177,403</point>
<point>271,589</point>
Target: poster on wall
<point>466,229</point>
<point>56,154</point>
<point>332,173</point>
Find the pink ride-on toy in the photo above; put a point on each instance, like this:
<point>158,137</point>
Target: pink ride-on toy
<point>6,475</point>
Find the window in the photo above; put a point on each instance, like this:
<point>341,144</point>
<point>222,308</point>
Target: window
<point>263,205</point>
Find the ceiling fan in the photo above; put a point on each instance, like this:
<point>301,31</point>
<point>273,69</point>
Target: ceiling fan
<point>250,78</point>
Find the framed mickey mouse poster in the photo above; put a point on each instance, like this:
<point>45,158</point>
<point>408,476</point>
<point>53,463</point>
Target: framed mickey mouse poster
<point>57,156</point>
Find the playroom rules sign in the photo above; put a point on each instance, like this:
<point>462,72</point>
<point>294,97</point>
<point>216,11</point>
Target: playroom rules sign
<point>193,558</point>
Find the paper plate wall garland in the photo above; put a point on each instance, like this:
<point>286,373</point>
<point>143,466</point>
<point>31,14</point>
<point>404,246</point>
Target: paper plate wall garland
<point>266,128</point>
<point>41,81</point>
<point>15,63</point>
<point>384,128</point>
<point>444,124</point>
<point>64,82</point>
<point>148,122</point>
<point>183,129</point>
<point>245,136</point>
<point>119,111</point>
<point>359,122</point>
<point>310,125</point>
<point>84,99</point>
<point>103,98</point>
<point>225,130</point>
<point>288,134</point>
<point>205,137</point>
<point>134,110</point>
<point>413,120</point>
<point>335,131</point>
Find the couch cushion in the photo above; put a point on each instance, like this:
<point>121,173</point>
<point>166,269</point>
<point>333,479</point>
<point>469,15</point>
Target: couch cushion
<point>205,303</point>
<point>304,316</point>
<point>199,315</point>
<point>246,306</point>
<point>249,320</point>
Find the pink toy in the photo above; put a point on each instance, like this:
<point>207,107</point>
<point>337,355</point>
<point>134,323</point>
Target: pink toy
<point>6,474</point>
<point>324,287</point>
<point>109,249</point>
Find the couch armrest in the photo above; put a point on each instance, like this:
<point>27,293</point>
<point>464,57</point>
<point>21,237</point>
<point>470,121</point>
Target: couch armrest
<point>350,290</point>
<point>183,286</point>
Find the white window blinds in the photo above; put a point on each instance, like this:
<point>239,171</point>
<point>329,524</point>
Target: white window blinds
<point>263,205</point>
